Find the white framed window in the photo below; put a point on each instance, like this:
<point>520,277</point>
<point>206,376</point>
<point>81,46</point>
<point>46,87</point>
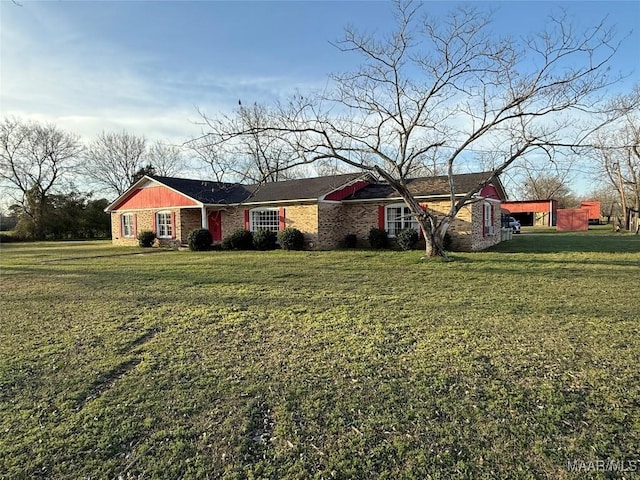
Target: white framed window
<point>398,217</point>
<point>264,218</point>
<point>127,224</point>
<point>163,225</point>
<point>487,214</point>
<point>488,218</point>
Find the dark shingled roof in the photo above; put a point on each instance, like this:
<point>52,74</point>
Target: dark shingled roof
<point>303,188</point>
<point>217,193</point>
<point>207,192</point>
<point>427,186</point>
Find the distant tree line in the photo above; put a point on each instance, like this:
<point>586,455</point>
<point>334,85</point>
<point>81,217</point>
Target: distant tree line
<point>41,165</point>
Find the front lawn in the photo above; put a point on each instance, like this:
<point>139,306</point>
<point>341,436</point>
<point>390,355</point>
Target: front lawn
<point>512,363</point>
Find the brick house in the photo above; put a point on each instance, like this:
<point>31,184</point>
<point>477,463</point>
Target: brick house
<point>325,209</point>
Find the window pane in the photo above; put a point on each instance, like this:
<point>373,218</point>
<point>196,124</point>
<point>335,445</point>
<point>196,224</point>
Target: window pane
<point>127,225</point>
<point>164,225</point>
<point>265,219</point>
<point>398,218</point>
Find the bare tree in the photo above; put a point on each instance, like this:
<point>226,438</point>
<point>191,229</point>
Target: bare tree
<point>112,160</point>
<point>609,200</point>
<point>541,186</point>
<point>34,160</point>
<point>439,89</point>
<point>617,152</point>
<point>258,156</point>
<point>166,159</point>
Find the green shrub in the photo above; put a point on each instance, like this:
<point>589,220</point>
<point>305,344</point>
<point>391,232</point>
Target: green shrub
<point>291,239</point>
<point>447,242</point>
<point>264,239</point>
<point>146,238</point>
<point>199,240</point>
<point>7,238</point>
<point>407,238</point>
<point>378,238</point>
<point>239,240</point>
<point>350,240</point>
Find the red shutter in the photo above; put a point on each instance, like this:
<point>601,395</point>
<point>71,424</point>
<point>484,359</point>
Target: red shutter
<point>247,226</point>
<point>173,225</point>
<point>135,225</point>
<point>381,217</point>
<point>153,223</point>
<point>281,221</point>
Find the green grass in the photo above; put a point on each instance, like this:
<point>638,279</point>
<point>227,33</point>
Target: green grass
<point>296,365</point>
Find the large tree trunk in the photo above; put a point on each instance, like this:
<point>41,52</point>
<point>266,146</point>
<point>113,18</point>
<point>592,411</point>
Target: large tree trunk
<point>434,237</point>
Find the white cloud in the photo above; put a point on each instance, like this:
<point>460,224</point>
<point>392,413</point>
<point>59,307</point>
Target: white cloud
<point>52,70</point>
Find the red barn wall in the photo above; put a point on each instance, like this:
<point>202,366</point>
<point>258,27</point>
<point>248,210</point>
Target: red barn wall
<point>593,207</point>
<point>572,219</point>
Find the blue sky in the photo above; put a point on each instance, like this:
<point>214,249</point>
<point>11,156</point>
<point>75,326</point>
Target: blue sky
<point>145,66</point>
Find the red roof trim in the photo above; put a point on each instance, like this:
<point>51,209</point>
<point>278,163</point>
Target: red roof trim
<point>345,191</point>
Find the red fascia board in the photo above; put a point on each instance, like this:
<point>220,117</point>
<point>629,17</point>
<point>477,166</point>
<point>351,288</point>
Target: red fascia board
<point>530,206</point>
<point>344,192</point>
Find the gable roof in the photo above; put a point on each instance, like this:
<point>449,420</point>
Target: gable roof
<point>300,189</point>
<point>205,191</point>
<point>429,187</point>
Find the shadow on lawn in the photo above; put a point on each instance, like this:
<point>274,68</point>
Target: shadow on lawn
<point>570,242</point>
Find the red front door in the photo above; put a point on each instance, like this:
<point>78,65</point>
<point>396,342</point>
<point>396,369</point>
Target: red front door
<point>215,225</point>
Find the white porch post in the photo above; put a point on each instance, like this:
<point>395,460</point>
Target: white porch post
<point>205,221</point>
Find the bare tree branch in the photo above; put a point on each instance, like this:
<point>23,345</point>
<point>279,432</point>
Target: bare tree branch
<point>435,91</point>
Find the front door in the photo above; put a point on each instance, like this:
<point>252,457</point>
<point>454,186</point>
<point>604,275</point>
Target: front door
<point>215,225</point>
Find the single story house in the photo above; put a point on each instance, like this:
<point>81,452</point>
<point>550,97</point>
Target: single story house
<point>325,209</point>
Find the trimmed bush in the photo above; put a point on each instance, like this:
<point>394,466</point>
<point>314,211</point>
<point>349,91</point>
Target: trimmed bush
<point>146,238</point>
<point>447,242</point>
<point>8,238</point>
<point>199,240</point>
<point>350,240</point>
<point>407,238</point>
<point>378,238</point>
<point>264,239</point>
<point>239,240</point>
<point>291,239</point>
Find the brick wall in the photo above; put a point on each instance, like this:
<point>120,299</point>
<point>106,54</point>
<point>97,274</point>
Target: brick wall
<point>340,220</point>
<point>185,220</point>
<point>144,221</point>
<point>337,221</point>
<point>324,225</point>
<point>480,241</point>
<point>304,217</point>
<point>188,219</point>
<point>232,220</point>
